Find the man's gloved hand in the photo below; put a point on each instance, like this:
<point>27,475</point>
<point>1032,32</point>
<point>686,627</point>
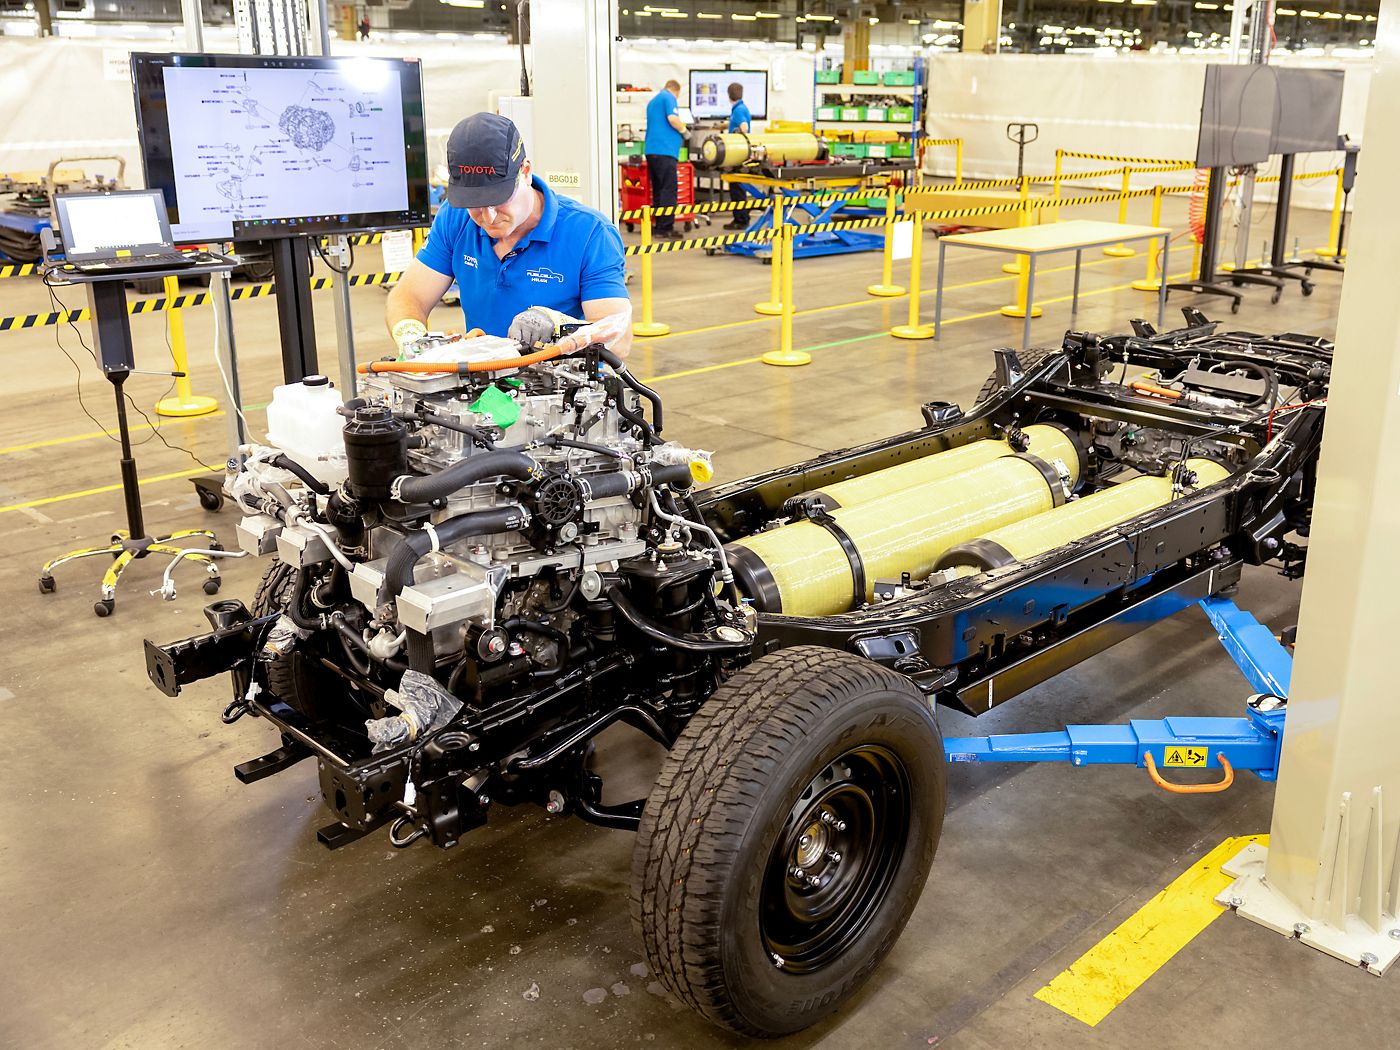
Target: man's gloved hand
<point>539,324</point>
<point>606,330</point>
<point>406,332</point>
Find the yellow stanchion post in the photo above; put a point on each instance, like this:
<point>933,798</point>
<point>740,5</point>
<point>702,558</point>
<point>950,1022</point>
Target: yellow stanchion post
<point>914,330</point>
<point>773,305</point>
<point>1023,218</point>
<point>184,402</point>
<point>1121,250</point>
<point>785,354</point>
<point>1018,308</point>
<point>887,287</point>
<point>1059,172</point>
<point>646,326</point>
<point>957,163</point>
<point>1153,281</point>
<point>1334,231</point>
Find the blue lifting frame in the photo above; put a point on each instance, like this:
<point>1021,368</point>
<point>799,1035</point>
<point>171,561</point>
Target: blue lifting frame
<point>1253,742</point>
<point>805,245</point>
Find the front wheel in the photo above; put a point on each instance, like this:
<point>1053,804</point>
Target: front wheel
<point>788,838</point>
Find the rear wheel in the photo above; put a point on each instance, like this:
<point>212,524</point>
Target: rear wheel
<point>788,838</point>
<point>1030,361</point>
<point>297,676</point>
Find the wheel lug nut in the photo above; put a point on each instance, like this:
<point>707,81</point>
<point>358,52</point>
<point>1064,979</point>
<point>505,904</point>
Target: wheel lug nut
<point>804,841</point>
<point>797,873</point>
<point>831,821</point>
<point>813,881</point>
<point>834,856</point>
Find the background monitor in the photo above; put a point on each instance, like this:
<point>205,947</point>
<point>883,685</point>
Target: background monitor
<point>246,147</point>
<point>709,92</point>
<point>1237,116</point>
<point>1309,110</point>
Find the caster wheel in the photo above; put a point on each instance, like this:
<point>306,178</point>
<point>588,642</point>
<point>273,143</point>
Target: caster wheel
<point>711,251</point>
<point>1307,288</point>
<point>117,537</point>
<point>215,545</point>
<point>630,227</point>
<point>211,586</point>
<point>767,262</point>
<point>1278,294</point>
<point>104,607</point>
<point>46,585</point>
<point>1235,307</point>
<point>210,500</point>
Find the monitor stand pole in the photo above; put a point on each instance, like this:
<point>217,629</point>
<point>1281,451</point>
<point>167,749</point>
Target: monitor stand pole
<point>1277,266</point>
<point>291,272</point>
<point>1205,282</point>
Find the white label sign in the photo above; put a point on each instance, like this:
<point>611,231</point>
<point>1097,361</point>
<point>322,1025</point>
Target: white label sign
<point>398,250</point>
<point>903,243</point>
<point>563,180</point>
<point>116,64</point>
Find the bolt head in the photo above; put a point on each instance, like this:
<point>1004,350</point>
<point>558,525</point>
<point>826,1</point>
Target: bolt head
<point>798,873</point>
<point>1301,928</point>
<point>1395,935</point>
<point>485,800</point>
<point>804,841</point>
<point>1369,959</point>
<point>1235,902</point>
<point>813,881</point>
<point>834,856</point>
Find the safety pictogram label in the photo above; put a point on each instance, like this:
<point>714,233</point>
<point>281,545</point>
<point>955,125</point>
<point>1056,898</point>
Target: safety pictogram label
<point>1185,756</point>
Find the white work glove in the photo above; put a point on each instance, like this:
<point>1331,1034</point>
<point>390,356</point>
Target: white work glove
<point>606,330</point>
<point>537,325</point>
<point>406,333</point>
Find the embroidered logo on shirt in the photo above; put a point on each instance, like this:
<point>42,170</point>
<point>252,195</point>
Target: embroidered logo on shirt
<point>469,260</point>
<point>543,275</point>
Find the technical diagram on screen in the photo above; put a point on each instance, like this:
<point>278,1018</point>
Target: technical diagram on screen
<point>260,146</point>
<point>709,92</point>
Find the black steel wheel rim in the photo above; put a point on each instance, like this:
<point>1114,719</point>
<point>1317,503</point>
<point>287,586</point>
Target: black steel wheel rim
<point>833,863</point>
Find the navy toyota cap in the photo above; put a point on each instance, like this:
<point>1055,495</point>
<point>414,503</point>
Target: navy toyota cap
<point>484,154</point>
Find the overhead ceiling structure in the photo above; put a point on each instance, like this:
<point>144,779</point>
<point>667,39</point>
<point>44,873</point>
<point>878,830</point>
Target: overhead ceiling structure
<point>1038,26</point>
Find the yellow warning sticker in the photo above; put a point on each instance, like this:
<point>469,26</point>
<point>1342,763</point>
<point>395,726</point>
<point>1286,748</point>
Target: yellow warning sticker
<point>123,252</point>
<point>1185,756</point>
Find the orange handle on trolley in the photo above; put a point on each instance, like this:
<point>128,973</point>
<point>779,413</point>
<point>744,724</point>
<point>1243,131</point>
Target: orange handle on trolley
<point>1191,789</point>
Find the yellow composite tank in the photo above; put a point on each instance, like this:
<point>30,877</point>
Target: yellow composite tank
<point>802,569</point>
<point>735,149</point>
<point>881,483</point>
<point>1024,539</point>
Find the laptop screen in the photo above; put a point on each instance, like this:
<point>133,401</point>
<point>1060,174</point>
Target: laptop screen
<point>112,224</point>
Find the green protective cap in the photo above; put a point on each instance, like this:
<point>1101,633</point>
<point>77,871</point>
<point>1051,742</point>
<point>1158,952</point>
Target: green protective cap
<point>500,406</point>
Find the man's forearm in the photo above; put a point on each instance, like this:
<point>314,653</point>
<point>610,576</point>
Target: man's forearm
<point>401,306</point>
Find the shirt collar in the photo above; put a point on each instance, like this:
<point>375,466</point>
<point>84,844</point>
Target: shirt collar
<point>544,229</point>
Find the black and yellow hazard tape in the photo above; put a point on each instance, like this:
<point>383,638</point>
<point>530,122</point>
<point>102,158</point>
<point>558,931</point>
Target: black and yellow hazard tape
<point>19,270</point>
<point>1330,173</point>
<point>1116,159</point>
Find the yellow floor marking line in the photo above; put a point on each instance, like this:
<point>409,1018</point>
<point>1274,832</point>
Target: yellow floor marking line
<point>134,428</point>
<point>1110,971</point>
<point>102,488</point>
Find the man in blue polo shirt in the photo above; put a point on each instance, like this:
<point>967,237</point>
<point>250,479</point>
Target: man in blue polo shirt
<point>739,123</point>
<point>662,147</point>
<point>525,259</point>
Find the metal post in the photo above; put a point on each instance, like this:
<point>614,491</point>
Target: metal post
<point>1162,281</point>
<point>1331,874</point>
<point>339,249</point>
<point>938,294</point>
<point>785,354</point>
<point>1030,291</point>
<point>1023,218</point>
<point>1334,247</point>
<point>193,18</point>
<point>227,352</point>
<point>184,403</point>
<point>1155,272</point>
<point>1074,296</point>
<point>887,287</point>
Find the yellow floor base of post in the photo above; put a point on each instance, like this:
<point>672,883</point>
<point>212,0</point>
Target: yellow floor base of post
<point>787,358</point>
<point>1330,253</point>
<point>769,309</point>
<point>1016,310</point>
<point>195,405</point>
<point>912,331</point>
<point>882,289</point>
<point>1145,285</point>
<point>1119,251</point>
<point>650,328</point>
<point>1012,267</point>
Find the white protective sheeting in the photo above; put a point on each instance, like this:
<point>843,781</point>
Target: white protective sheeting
<point>1139,105</point>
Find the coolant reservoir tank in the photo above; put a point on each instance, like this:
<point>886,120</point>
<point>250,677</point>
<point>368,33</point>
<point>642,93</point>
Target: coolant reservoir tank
<point>303,421</point>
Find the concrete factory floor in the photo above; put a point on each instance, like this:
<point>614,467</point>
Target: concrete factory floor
<point>148,900</point>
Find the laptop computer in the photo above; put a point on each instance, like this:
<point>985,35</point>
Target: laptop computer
<point>121,230</point>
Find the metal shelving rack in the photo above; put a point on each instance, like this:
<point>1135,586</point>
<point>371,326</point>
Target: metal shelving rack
<point>822,94</point>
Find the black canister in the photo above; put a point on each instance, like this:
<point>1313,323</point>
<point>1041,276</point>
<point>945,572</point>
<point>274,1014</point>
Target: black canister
<point>376,452</point>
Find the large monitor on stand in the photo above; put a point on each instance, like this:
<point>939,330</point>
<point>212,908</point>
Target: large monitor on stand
<point>282,148</point>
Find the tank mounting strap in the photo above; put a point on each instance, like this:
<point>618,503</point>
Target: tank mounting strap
<point>814,510</point>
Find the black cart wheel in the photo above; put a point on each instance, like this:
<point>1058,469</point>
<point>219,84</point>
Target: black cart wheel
<point>788,838</point>
<point>1234,306</point>
<point>1278,294</point>
<point>210,500</point>
<point>104,606</point>
<point>211,585</point>
<point>46,585</point>
<point>1307,287</point>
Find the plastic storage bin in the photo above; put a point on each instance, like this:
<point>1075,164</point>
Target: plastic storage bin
<point>828,76</point>
<point>865,76</point>
<point>828,112</point>
<point>852,112</point>
<point>900,78</point>
<point>900,114</point>
<point>875,113</point>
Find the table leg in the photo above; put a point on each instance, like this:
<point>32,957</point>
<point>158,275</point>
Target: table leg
<point>1030,302</point>
<point>1162,281</point>
<point>938,294</point>
<point>1074,299</point>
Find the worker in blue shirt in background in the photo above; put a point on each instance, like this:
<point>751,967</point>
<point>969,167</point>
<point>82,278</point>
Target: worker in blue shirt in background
<point>740,122</point>
<point>525,259</point>
<point>663,150</point>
